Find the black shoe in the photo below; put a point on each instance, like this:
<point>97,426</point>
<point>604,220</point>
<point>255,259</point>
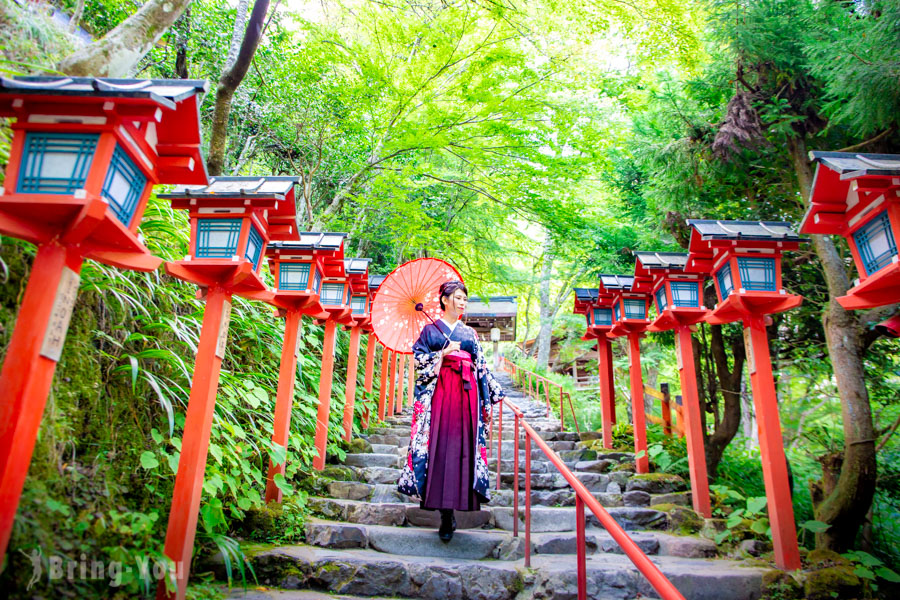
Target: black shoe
<point>448,526</point>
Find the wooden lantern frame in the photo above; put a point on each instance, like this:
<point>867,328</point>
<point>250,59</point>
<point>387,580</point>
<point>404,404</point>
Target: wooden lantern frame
<point>851,193</point>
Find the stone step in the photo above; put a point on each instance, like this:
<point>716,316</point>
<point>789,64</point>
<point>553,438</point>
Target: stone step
<point>471,544</point>
<point>372,573</point>
<point>614,576</point>
<point>388,439</point>
<point>558,446</point>
<point>398,431</point>
<point>391,513</point>
<point>553,577</point>
<point>566,497</point>
<point>594,482</point>
<point>385,449</point>
<point>545,519</point>
<point>373,460</point>
<point>386,475</point>
<point>260,593</point>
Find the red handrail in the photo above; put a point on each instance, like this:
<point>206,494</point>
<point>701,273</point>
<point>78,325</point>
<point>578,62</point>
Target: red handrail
<point>519,374</point>
<point>583,497</point>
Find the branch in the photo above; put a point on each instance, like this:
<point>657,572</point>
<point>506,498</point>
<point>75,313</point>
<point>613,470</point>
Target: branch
<point>878,137</point>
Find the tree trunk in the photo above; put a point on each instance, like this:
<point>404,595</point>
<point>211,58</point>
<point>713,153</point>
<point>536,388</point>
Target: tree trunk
<point>729,385</point>
<point>748,417</point>
<point>76,16</point>
<point>229,82</point>
<point>181,46</point>
<point>237,34</point>
<point>545,332</point>
<point>845,506</point>
<point>120,50</point>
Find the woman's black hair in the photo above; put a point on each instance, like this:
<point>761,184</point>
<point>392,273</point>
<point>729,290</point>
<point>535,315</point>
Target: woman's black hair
<point>448,288</point>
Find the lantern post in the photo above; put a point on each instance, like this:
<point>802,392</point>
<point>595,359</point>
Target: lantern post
<point>371,345</point>
<point>85,155</point>
<point>856,196</point>
<point>383,386</point>
<point>630,320</point>
<point>370,375</point>
<point>597,309</point>
<point>335,299</point>
<point>411,385</point>
<point>297,266</point>
<point>229,234</point>
<point>744,260</point>
<point>679,306</point>
<point>401,375</point>
<point>392,386</point>
<point>357,270</point>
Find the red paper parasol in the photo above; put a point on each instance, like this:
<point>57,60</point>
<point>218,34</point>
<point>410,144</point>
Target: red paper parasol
<point>396,320</point>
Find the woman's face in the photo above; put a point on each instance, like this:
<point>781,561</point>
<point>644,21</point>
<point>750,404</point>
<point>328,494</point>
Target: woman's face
<point>457,302</point>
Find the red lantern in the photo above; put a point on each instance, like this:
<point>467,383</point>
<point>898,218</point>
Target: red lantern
<point>855,196</point>
<point>630,305</point>
<point>229,235</point>
<point>85,155</point>
<point>744,259</point>
<point>679,305</point>
<point>357,270</point>
<point>596,305</point>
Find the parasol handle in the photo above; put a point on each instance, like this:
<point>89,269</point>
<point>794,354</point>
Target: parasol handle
<point>421,308</point>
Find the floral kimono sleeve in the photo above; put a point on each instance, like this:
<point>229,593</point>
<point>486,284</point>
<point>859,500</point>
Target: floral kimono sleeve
<point>426,354</point>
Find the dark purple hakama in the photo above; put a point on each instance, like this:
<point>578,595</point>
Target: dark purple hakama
<point>451,448</point>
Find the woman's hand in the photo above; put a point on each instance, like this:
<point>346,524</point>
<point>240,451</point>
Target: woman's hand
<point>451,347</point>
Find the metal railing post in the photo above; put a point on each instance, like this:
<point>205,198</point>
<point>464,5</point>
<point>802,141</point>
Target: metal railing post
<point>499,445</point>
<point>562,417</point>
<point>491,434</point>
<point>527,500</point>
<point>582,548</point>
<point>516,480</point>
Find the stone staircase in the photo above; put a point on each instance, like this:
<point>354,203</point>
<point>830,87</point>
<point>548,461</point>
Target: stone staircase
<point>367,540</point>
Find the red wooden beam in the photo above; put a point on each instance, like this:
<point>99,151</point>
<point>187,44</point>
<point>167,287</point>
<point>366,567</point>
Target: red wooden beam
<point>195,444</point>
<point>370,375</point>
<point>607,390</point>
<point>350,395</point>
<point>284,399</point>
<point>382,388</point>
<point>324,411</point>
<point>639,419</point>
<point>392,386</point>
<point>693,425</point>
<point>29,367</point>
<point>411,390</point>
<point>771,449</point>
<point>401,370</point>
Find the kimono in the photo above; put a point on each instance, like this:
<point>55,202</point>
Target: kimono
<point>427,353</point>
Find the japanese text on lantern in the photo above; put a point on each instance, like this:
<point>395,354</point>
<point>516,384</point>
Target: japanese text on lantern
<point>60,315</point>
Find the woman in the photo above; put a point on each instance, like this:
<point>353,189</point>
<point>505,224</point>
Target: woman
<point>446,468</point>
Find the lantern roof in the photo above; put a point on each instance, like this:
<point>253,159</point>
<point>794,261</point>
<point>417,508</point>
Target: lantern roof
<point>310,240</point>
<point>356,266</point>
<point>846,186</point>
<point>586,295</point>
<point>662,260</point>
<point>165,92</point>
<point>169,109</point>
<point>275,187</point>
<point>851,165</point>
<point>775,231</point>
<point>375,282</point>
<point>711,236</point>
<point>616,283</point>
